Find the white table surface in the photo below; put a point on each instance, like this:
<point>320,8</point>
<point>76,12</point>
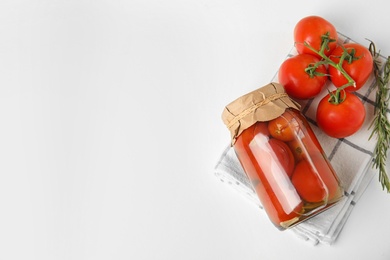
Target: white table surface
<point>110,128</point>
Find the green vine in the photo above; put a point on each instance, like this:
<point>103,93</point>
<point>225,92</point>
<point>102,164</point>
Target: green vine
<point>335,97</point>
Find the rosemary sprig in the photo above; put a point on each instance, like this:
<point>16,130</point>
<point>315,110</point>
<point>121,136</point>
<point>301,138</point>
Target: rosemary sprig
<point>381,125</point>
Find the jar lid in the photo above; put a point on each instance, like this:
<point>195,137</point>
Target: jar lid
<point>263,104</point>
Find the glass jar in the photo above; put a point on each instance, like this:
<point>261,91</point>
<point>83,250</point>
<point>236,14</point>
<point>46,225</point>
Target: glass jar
<point>281,156</point>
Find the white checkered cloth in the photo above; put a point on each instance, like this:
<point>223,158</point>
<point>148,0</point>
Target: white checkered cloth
<point>351,158</point>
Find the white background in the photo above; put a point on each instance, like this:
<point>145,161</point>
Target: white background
<point>110,128</point>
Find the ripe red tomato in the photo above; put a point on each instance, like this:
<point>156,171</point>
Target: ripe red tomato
<point>283,155</point>
<point>246,157</point>
<point>307,183</point>
<point>359,69</point>
<point>328,176</point>
<point>274,150</point>
<point>304,147</point>
<point>315,180</point>
<point>311,29</point>
<point>283,127</point>
<point>343,119</point>
<point>297,82</point>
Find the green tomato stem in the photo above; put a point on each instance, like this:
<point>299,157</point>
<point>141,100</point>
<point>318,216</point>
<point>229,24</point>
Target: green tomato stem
<point>335,97</point>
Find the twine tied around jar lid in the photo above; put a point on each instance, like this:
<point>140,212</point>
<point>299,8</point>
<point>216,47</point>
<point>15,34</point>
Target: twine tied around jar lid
<point>263,104</point>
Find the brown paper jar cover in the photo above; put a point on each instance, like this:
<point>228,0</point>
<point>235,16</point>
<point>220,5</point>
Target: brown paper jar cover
<point>263,104</point>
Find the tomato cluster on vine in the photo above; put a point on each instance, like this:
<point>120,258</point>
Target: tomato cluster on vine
<point>320,59</point>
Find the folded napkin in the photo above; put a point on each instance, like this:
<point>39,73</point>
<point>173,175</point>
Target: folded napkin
<point>351,157</point>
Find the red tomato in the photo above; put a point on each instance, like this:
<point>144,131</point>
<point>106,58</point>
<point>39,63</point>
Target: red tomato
<point>266,147</point>
<point>311,29</point>
<point>307,183</point>
<point>303,148</point>
<point>283,154</point>
<point>274,163</point>
<point>359,66</point>
<point>241,147</point>
<point>297,81</point>
<point>283,127</point>
<point>343,119</point>
<point>328,176</point>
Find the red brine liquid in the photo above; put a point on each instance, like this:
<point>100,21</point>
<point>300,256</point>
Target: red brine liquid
<point>287,168</point>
